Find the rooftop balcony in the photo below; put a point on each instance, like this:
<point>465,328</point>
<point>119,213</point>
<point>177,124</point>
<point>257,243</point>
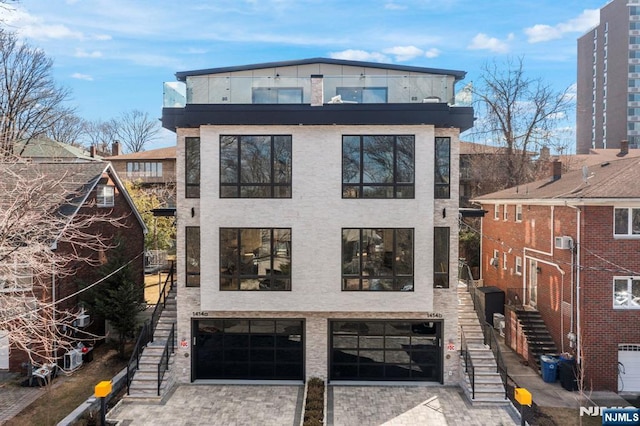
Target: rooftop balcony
<point>369,89</point>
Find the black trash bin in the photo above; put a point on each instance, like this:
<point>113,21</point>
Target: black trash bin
<point>567,373</point>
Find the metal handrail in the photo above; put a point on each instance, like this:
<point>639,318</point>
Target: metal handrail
<point>468,363</point>
<point>141,342</point>
<point>501,366</point>
<point>169,348</point>
<point>162,300</point>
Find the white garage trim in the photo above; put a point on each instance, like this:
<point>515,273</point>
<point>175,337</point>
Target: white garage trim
<point>628,368</point>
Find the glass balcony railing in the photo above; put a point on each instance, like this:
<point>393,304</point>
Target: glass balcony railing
<point>209,89</point>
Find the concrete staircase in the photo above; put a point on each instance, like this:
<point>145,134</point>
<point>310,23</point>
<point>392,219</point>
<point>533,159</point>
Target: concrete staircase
<point>489,389</point>
<point>145,380</point>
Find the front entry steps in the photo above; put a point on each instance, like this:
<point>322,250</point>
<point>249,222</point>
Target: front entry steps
<point>539,340</point>
<point>489,389</point>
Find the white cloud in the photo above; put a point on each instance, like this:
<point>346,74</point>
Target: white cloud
<point>34,27</point>
<point>102,37</point>
<point>79,76</point>
<point>359,55</point>
<point>81,53</point>
<point>404,53</point>
<point>432,53</point>
<point>583,22</point>
<point>394,6</point>
<point>483,42</point>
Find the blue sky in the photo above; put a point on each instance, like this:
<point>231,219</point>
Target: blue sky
<point>115,54</point>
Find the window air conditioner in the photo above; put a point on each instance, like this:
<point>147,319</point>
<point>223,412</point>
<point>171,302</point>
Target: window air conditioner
<point>563,243</point>
<point>82,321</point>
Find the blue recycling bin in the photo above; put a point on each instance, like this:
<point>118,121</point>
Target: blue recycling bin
<point>549,368</point>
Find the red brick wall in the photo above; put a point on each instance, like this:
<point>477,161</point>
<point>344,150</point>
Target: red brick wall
<point>602,258</point>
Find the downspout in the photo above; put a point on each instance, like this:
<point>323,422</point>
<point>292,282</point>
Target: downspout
<point>576,264</point>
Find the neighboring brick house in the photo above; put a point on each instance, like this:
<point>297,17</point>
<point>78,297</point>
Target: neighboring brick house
<point>86,189</point>
<point>568,246</point>
<point>317,221</point>
<point>152,167</point>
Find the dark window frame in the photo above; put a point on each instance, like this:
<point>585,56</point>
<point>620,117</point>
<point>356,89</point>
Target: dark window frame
<point>441,258</point>
<point>269,281</point>
<point>192,160</point>
<point>357,190</point>
<point>399,281</point>
<point>275,188</point>
<point>192,273</point>
<point>442,169</point>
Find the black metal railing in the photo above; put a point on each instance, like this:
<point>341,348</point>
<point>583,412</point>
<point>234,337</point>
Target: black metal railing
<point>162,299</point>
<point>492,341</point>
<point>134,361</point>
<point>169,348</point>
<point>146,331</point>
<point>468,363</point>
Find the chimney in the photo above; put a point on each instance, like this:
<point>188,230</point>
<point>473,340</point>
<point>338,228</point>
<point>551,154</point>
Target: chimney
<point>92,151</point>
<point>624,148</point>
<point>317,90</point>
<point>556,170</point>
<point>545,153</point>
<point>115,148</point>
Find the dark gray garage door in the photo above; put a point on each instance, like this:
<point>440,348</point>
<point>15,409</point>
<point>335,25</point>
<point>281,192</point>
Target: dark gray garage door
<point>386,350</point>
<point>260,349</point>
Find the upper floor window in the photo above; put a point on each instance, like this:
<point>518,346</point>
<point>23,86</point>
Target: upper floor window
<point>192,255</point>
<point>377,259</point>
<point>518,212</point>
<point>378,166</point>
<point>15,277</point>
<point>142,169</point>
<point>626,292</point>
<point>505,212</point>
<point>626,221</point>
<point>441,237</point>
<point>192,167</point>
<point>363,95</point>
<point>277,95</point>
<point>105,196</point>
<point>442,169</point>
<point>255,166</point>
<point>255,259</point>
<point>518,265</point>
<point>496,211</point>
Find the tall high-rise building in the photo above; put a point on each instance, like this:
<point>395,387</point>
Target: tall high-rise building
<point>608,92</point>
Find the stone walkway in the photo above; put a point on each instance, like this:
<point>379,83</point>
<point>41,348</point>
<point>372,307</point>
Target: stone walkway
<point>14,399</point>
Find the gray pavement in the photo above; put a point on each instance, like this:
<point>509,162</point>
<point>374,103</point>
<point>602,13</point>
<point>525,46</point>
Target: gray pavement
<point>282,405</point>
<point>13,397</point>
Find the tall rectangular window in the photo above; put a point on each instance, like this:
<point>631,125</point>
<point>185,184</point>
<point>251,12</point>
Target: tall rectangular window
<point>518,212</point>
<point>442,169</point>
<point>378,166</point>
<point>441,237</point>
<point>377,259</point>
<point>255,259</point>
<point>255,166</point>
<point>192,167</point>
<point>626,222</point>
<point>192,238</point>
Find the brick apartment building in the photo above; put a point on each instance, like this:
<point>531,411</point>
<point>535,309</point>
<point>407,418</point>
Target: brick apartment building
<point>317,221</point>
<point>567,247</point>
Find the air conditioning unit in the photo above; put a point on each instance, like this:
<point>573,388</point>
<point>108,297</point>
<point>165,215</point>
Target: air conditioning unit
<point>82,321</point>
<point>72,360</point>
<point>494,261</point>
<point>563,243</point>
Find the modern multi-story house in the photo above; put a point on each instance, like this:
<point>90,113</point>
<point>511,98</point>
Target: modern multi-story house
<point>565,252</point>
<point>317,221</point>
<point>608,85</point>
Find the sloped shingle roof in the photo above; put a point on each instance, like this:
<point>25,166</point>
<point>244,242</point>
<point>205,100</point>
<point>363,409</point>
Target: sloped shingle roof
<point>609,180</point>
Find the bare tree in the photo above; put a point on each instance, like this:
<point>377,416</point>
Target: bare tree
<point>28,94</point>
<point>44,238</point>
<point>517,113</point>
<point>100,134</point>
<point>68,128</point>
<point>135,129</point>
